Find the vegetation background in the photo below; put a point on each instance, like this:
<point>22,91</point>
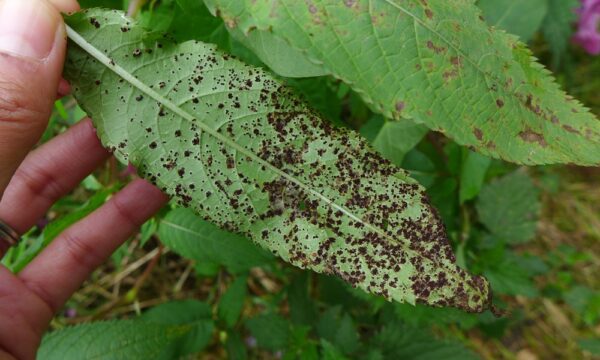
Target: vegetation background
<point>533,232</point>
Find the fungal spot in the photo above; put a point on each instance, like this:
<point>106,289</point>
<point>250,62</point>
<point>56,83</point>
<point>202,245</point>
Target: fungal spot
<point>137,53</point>
<point>94,22</point>
<point>139,98</point>
<point>531,136</point>
<point>429,13</point>
<point>478,134</point>
<point>500,103</point>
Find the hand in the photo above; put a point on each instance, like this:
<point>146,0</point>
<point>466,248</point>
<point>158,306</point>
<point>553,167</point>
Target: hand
<point>32,51</point>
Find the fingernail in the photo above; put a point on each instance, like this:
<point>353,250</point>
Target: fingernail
<point>28,28</point>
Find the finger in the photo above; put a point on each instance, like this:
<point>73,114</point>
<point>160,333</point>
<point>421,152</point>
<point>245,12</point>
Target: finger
<point>32,52</point>
<point>62,267</point>
<point>65,6</point>
<point>49,173</point>
<point>32,47</point>
<point>20,311</point>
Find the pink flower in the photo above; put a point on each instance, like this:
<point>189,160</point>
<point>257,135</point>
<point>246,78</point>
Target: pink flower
<point>588,35</point>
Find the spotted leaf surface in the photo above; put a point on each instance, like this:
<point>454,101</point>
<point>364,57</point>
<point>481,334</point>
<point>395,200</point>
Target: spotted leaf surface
<point>241,150</point>
<point>438,63</point>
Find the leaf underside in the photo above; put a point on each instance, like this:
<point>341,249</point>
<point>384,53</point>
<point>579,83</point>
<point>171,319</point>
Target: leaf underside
<point>436,62</point>
<point>236,146</point>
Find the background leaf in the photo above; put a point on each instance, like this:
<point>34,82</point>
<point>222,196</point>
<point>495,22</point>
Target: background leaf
<point>121,339</point>
<point>509,207</point>
<point>195,314</point>
<point>522,18</point>
<point>199,240</point>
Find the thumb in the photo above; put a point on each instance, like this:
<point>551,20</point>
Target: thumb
<point>32,52</point>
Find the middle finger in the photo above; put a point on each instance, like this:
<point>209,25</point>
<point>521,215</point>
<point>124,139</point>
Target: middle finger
<point>50,172</point>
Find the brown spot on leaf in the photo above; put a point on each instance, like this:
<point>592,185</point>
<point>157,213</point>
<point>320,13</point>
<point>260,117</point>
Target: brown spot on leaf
<point>478,133</point>
<point>531,136</point>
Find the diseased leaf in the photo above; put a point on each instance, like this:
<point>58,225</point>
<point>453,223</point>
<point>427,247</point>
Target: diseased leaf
<point>232,143</point>
<point>519,17</point>
<point>436,62</point>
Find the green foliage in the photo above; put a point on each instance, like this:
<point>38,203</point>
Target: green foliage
<point>558,27</point>
<point>318,197</point>
<point>196,314</point>
<point>199,240</point>
<point>479,86</point>
<point>120,339</point>
<point>509,207</point>
<point>232,302</point>
<point>271,331</point>
<point>396,341</point>
<point>522,18</point>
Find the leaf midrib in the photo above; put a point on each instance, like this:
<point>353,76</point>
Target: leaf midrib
<point>113,66</point>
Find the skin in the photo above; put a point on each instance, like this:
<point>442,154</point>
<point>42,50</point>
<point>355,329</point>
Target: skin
<point>31,181</point>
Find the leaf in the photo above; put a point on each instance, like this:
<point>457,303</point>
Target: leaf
<point>509,207</point>
<point>120,339</point>
<point>339,330</point>
<point>397,341</point>
<point>472,175</point>
<point>394,139</point>
<point>303,310</point>
<point>522,18</point>
<point>437,63</point>
<point>232,143</point>
<point>558,27</point>
<point>271,331</point>
<point>196,314</point>
<point>232,302</point>
<point>278,55</point>
<point>199,240</point>
<point>591,345</point>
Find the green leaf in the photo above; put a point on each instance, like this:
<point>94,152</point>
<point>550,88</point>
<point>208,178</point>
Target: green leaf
<point>232,302</point>
<point>120,339</point>
<point>519,17</point>
<point>232,143</point>
<point>472,175</point>
<point>278,55</point>
<point>199,240</point>
<point>507,274</point>
<point>435,62</point>
<point>271,331</point>
<point>558,27</point>
<point>590,345</point>
<point>509,207</point>
<point>194,313</point>
<point>330,352</point>
<point>303,310</point>
<point>396,341</point>
<point>394,139</point>
<point>338,329</point>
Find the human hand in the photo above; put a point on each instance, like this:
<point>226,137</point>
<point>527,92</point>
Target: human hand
<point>32,51</point>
